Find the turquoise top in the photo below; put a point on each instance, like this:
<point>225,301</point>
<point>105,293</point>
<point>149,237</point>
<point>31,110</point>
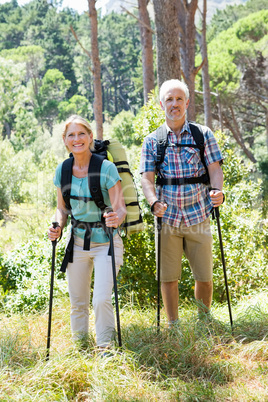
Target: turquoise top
<point>88,211</point>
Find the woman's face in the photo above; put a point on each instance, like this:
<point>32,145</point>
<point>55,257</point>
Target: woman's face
<point>77,139</point>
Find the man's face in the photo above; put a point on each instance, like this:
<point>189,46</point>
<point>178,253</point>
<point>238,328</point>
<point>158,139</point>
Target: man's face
<point>175,105</point>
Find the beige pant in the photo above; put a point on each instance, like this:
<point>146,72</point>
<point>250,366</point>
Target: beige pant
<point>79,284</point>
<point>196,242</point>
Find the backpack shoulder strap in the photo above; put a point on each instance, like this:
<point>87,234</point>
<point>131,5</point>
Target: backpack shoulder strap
<point>197,133</point>
<point>94,170</point>
<point>66,180</point>
<point>161,137</point>
<point>198,136</point>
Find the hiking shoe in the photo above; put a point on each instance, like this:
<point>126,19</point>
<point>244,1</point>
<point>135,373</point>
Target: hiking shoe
<point>173,324</point>
<point>204,316</point>
<point>105,352</point>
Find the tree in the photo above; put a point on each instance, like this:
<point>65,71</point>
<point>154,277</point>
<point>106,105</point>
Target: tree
<point>167,40</point>
<point>205,71</point>
<point>255,75</point>
<point>225,19</point>
<point>120,50</point>
<point>97,105</point>
<point>33,58</point>
<point>147,49</point>
<point>13,94</point>
<point>76,105</point>
<point>186,16</point>
<point>236,57</point>
<point>122,128</point>
<point>11,26</point>
<point>38,23</point>
<point>13,173</point>
<point>58,43</point>
<point>52,92</point>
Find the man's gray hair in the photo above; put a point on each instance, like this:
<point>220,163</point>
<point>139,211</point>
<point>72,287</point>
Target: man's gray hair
<point>170,84</point>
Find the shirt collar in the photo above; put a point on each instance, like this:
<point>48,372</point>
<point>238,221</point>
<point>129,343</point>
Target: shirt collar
<point>185,127</point>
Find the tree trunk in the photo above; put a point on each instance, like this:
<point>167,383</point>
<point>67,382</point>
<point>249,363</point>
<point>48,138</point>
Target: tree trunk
<point>147,49</point>
<point>7,130</point>
<point>167,39</point>
<point>266,121</point>
<point>205,71</point>
<point>97,104</point>
<point>186,16</point>
<point>232,125</point>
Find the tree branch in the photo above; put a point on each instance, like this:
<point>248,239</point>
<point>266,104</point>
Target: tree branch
<point>200,11</point>
<point>196,69</point>
<point>140,22</point>
<point>237,134</point>
<point>80,44</point>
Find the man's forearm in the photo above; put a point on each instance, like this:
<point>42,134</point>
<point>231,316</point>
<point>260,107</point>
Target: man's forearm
<point>148,188</point>
<point>216,176</point>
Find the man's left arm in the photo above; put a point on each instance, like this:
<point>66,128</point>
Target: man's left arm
<point>216,183</point>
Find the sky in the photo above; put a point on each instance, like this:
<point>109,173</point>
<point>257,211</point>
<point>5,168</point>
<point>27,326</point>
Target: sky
<point>78,5</point>
<point>82,5</point>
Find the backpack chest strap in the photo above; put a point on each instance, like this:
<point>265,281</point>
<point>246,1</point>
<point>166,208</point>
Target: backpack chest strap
<point>81,198</point>
<point>179,181</point>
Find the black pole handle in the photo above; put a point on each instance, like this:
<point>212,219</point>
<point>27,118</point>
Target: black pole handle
<point>107,211</point>
<point>55,225</point>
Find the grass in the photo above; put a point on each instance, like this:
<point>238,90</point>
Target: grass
<point>195,361</point>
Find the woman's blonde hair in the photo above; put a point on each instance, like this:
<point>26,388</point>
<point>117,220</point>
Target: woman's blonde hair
<point>78,120</point>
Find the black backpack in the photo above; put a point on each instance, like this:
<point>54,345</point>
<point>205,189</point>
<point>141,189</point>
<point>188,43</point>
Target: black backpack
<point>162,145</point>
<point>133,221</point>
<point>93,181</point>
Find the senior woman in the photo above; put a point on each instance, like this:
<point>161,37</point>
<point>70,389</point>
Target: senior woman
<point>78,139</point>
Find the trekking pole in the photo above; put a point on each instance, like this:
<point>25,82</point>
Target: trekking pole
<point>158,223</point>
<point>217,214</point>
<point>159,227</point>
<point>54,242</point>
<point>110,231</point>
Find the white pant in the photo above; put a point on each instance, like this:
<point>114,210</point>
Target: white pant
<point>79,284</point>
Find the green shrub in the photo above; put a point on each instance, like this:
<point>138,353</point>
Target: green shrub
<point>263,164</point>
<point>243,231</point>
<point>13,173</point>
<point>149,118</point>
<point>25,276</point>
<point>137,276</point>
<point>123,130</point>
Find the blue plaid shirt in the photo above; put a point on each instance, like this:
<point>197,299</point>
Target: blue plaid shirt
<point>190,202</point>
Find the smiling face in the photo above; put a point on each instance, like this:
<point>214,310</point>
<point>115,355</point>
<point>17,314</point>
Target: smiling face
<point>175,105</point>
<point>77,138</point>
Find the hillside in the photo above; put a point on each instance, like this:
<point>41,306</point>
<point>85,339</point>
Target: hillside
<point>214,5</point>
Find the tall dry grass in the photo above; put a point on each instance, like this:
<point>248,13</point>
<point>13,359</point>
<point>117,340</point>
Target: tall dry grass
<point>198,360</point>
